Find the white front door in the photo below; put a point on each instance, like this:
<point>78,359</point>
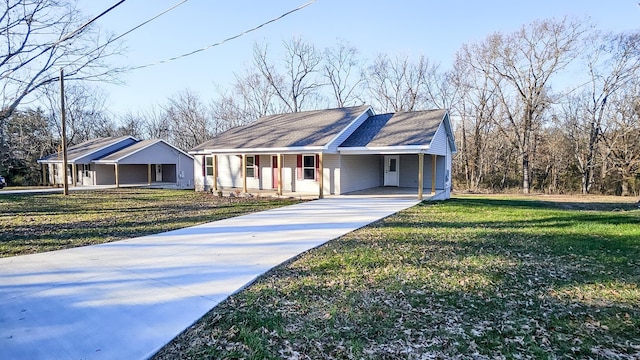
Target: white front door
<point>391,165</point>
<point>159,172</point>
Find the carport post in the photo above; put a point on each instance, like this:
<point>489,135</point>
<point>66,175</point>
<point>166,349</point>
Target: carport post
<point>74,174</point>
<point>420,174</point>
<point>215,172</point>
<point>117,175</point>
<point>244,173</point>
<point>148,174</point>
<point>434,159</point>
<point>320,177</point>
<point>44,174</point>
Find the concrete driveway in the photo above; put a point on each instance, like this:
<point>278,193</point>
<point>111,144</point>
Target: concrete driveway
<point>127,299</point>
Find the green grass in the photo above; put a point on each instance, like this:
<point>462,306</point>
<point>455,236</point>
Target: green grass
<point>31,223</point>
<point>473,277</point>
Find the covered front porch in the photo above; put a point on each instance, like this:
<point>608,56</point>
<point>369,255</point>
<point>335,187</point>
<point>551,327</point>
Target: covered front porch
<point>324,174</point>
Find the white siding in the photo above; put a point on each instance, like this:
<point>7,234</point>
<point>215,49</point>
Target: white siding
<point>331,173</point>
<point>439,142</point>
<point>358,172</point>
<point>409,171</point>
<point>105,174</point>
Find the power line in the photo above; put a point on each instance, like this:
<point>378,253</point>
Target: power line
<point>63,39</point>
<point>227,39</point>
<point>133,29</point>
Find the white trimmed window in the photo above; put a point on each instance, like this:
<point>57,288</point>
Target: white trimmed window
<point>209,165</point>
<point>251,166</point>
<point>309,167</point>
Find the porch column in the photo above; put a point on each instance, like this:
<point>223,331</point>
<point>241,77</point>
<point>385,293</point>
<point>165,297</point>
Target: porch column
<point>433,173</point>
<point>44,174</point>
<point>74,174</point>
<point>215,172</point>
<point>117,175</point>
<point>148,174</point>
<point>321,177</point>
<point>279,156</point>
<point>244,173</point>
<point>420,174</point>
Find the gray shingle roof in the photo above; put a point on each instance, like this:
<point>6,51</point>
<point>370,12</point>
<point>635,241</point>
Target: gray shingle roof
<point>309,128</point>
<point>128,150</point>
<point>86,148</point>
<point>399,129</point>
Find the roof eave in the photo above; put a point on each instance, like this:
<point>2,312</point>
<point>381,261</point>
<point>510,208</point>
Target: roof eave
<point>280,150</point>
<point>381,150</point>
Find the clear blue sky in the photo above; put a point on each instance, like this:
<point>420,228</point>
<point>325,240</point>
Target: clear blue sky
<point>436,29</point>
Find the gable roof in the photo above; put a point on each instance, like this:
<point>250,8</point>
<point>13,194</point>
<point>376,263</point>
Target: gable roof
<point>416,128</point>
<point>296,130</point>
<point>135,148</point>
<point>88,148</point>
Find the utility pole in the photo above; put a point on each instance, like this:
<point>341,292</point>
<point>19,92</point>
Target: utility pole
<point>63,119</point>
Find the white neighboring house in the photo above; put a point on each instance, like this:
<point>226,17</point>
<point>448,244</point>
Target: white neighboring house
<point>334,151</point>
<point>122,161</point>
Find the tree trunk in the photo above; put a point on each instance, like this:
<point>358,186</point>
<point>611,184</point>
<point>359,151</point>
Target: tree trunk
<point>526,181</point>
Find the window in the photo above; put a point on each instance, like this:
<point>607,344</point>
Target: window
<point>251,162</point>
<point>209,165</point>
<point>309,167</point>
<point>86,168</point>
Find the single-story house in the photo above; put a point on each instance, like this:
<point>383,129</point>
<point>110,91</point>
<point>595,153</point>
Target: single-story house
<point>334,151</point>
<point>121,161</point>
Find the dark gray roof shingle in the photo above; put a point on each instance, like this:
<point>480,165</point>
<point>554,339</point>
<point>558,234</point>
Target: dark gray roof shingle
<point>399,129</point>
<point>309,128</point>
<point>86,148</point>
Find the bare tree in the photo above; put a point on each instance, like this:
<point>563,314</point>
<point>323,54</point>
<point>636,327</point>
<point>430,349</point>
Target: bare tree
<point>612,61</point>
<point>342,70</point>
<point>297,84</point>
<point>476,110</point>
<point>38,38</point>
<point>399,84</point>
<point>522,66</point>
<point>86,112</point>
<point>188,120</point>
<point>622,140</point>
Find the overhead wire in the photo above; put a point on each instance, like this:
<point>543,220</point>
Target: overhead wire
<point>110,41</point>
<point>64,38</point>
<point>227,39</point>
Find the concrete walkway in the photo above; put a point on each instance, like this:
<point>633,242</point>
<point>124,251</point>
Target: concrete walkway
<point>127,299</point>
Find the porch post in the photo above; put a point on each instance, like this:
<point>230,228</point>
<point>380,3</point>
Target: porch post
<point>215,172</point>
<point>244,173</point>
<point>420,174</point>
<point>279,156</point>
<point>44,174</point>
<point>433,173</point>
<point>74,174</point>
<point>148,174</point>
<point>321,177</point>
<point>117,176</point>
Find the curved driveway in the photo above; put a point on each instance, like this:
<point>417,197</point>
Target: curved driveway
<point>127,299</point>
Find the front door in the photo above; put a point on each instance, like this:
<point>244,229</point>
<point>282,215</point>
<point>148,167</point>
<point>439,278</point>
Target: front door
<point>391,164</point>
<point>274,172</point>
<point>159,172</point>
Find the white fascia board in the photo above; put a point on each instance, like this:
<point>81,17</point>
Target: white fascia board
<point>379,150</point>
<point>285,150</point>
<point>366,113</point>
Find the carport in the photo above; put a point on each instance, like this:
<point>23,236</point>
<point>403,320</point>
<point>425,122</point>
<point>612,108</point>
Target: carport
<point>148,161</point>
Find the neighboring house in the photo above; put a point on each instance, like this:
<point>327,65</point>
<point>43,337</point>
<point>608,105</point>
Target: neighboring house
<point>333,151</point>
<point>121,161</point>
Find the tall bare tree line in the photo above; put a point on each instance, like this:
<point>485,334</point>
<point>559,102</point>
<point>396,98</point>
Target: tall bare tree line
<point>522,119</point>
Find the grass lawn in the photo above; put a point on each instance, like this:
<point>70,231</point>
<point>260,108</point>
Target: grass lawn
<point>473,277</point>
<point>31,223</point>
